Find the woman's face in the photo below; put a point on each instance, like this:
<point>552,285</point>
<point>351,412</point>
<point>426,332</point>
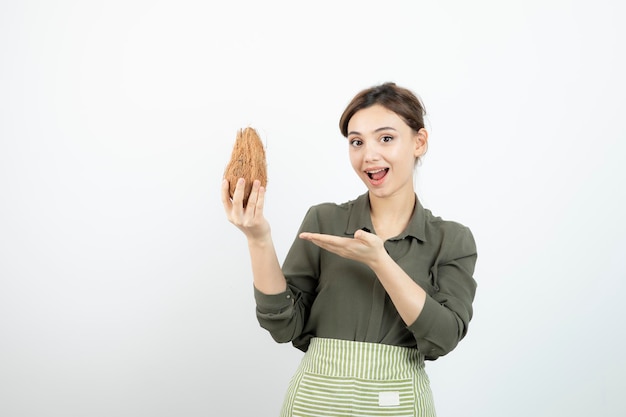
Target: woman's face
<point>383,150</point>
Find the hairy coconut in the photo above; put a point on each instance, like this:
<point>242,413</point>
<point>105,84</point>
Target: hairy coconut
<point>247,161</point>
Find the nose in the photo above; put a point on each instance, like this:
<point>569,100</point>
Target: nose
<point>371,152</point>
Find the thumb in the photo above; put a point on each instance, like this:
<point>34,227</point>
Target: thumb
<point>363,234</point>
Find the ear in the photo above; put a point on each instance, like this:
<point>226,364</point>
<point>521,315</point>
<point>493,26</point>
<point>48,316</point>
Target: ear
<point>421,142</point>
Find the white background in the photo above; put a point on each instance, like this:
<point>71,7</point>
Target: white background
<point>123,289</point>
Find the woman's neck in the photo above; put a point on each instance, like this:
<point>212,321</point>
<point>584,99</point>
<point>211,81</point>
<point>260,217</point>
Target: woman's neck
<point>391,215</point>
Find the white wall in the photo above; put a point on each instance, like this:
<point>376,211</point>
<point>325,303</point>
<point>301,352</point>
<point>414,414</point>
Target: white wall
<point>123,289</point>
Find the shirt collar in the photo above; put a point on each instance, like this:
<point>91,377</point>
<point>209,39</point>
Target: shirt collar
<point>360,217</point>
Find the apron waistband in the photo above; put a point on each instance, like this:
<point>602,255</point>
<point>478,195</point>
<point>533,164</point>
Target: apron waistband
<point>334,357</point>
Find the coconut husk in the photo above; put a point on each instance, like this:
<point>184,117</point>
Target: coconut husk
<point>247,161</point>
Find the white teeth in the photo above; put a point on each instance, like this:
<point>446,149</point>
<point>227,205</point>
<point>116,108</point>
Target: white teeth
<point>374,172</point>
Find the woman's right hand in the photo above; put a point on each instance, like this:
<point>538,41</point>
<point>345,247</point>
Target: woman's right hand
<point>249,219</point>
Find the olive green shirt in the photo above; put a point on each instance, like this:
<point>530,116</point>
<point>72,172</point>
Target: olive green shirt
<point>333,297</point>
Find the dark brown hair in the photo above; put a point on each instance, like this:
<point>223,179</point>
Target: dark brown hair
<point>399,100</point>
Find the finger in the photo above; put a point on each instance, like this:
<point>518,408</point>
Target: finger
<point>226,201</point>
<point>320,244</point>
<point>321,237</point>
<point>324,241</point>
<point>311,236</point>
<point>252,208</point>
<point>237,207</point>
<point>260,202</point>
<point>362,235</point>
<point>254,193</point>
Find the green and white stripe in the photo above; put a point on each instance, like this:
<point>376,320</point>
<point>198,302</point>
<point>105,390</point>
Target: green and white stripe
<point>344,378</point>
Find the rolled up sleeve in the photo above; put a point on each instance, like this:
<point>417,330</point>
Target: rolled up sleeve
<point>446,314</point>
<point>284,315</point>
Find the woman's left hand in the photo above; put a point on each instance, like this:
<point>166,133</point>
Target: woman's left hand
<point>364,247</point>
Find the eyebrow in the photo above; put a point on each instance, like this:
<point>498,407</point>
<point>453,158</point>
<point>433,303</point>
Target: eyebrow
<point>354,132</point>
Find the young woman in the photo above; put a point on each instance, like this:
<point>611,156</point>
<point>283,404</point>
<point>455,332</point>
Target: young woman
<point>372,287</point>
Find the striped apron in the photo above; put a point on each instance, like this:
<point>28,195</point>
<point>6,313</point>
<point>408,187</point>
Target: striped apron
<point>341,378</point>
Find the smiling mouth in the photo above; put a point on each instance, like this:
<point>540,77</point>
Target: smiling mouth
<point>378,174</point>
